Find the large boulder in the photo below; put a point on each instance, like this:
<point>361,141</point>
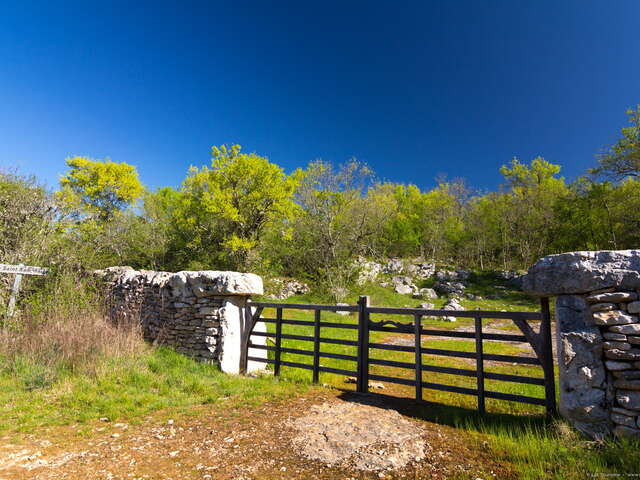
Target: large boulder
<point>583,272</point>
<point>403,284</point>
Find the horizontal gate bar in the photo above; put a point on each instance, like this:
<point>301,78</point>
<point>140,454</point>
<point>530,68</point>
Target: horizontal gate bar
<point>449,370</point>
<point>395,348</point>
<point>452,313</point>
<point>338,371</point>
<point>261,360</point>
<point>285,321</point>
<point>450,388</point>
<point>304,366</point>
<point>392,363</point>
<point>339,356</point>
<point>338,341</point>
<point>515,398</point>
<point>262,347</point>
<point>514,378</point>
<point>458,354</point>
<point>305,306</point>
<point>384,378</point>
<point>459,371</point>
<point>351,326</point>
<point>451,333</point>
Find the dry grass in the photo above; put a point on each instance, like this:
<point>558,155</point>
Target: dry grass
<point>72,342</point>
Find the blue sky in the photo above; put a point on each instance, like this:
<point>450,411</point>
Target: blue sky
<point>415,89</point>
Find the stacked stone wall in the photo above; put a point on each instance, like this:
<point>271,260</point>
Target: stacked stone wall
<point>598,333</point>
<point>200,314</point>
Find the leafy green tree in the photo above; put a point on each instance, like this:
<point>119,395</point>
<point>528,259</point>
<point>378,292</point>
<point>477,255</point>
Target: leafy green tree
<point>27,216</point>
<point>227,206</point>
<point>335,224</point>
<point>622,159</point>
<point>99,189</point>
<point>530,210</point>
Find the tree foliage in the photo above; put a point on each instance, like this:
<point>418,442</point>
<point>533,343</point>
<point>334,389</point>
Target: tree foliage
<point>244,212</point>
<point>99,189</point>
<point>622,159</point>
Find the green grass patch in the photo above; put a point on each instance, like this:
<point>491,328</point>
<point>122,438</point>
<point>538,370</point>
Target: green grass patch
<point>126,389</point>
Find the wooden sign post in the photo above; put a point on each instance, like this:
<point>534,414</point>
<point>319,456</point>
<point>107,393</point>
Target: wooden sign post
<point>19,270</point>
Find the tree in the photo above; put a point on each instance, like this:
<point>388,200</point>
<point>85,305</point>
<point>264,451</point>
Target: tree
<point>530,210</point>
<point>98,188</point>
<point>622,159</point>
<point>336,223</point>
<point>228,205</point>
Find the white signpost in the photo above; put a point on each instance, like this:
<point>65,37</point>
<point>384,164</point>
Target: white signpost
<point>19,270</point>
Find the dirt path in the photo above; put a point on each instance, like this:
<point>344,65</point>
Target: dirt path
<point>231,444</point>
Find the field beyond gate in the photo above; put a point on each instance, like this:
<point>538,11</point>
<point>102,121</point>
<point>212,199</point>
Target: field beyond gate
<point>489,364</point>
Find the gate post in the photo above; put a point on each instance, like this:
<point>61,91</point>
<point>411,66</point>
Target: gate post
<point>547,357</point>
<point>362,385</point>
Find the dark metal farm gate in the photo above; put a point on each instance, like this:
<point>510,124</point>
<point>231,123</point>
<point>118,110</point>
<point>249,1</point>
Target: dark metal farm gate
<point>540,342</point>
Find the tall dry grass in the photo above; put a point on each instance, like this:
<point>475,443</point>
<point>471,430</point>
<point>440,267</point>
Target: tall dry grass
<point>73,342</point>
<point>67,333</point>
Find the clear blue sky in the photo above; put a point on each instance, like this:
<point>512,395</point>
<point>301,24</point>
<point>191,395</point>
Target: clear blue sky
<point>412,88</point>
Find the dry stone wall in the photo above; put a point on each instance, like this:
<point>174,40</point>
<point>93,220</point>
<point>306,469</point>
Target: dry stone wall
<point>200,314</point>
<point>598,334</point>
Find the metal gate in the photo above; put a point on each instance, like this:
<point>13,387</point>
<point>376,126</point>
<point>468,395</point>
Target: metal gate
<point>540,342</point>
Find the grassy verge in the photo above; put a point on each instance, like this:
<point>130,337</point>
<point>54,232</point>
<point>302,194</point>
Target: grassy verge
<point>127,388</point>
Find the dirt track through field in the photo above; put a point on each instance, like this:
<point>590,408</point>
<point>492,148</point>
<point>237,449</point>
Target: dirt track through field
<point>228,444</point>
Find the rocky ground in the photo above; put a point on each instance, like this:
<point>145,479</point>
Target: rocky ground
<point>323,435</point>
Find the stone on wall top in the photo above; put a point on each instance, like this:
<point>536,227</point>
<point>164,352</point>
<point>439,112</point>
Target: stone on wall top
<point>582,272</point>
<point>203,283</point>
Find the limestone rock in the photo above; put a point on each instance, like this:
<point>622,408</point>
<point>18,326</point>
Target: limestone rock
<point>627,384</point>
<point>612,297</point>
<point>422,270</point>
<point>623,411</point>
<point>633,307</point>
<point>623,420</point>
<point>622,354</point>
<point>426,293</point>
<point>627,374</point>
<point>403,285</point>
<point>629,399</point>
<point>616,346</point>
<point>631,329</point>
<point>283,288</point>
<point>209,283</point>
<point>581,367</point>
<point>617,366</point>
<point>603,307</point>
<point>447,288</point>
<point>583,272</point>
<point>618,337</point>
<point>613,317</point>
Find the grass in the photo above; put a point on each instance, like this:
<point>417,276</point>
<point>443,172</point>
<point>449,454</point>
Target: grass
<point>127,388</point>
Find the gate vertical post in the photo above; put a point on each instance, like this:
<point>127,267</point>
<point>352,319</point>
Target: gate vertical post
<point>278,352</point>
<point>417,325</point>
<point>479,365</point>
<point>362,385</point>
<point>547,357</point>
<point>316,347</point>
<point>246,336</point>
